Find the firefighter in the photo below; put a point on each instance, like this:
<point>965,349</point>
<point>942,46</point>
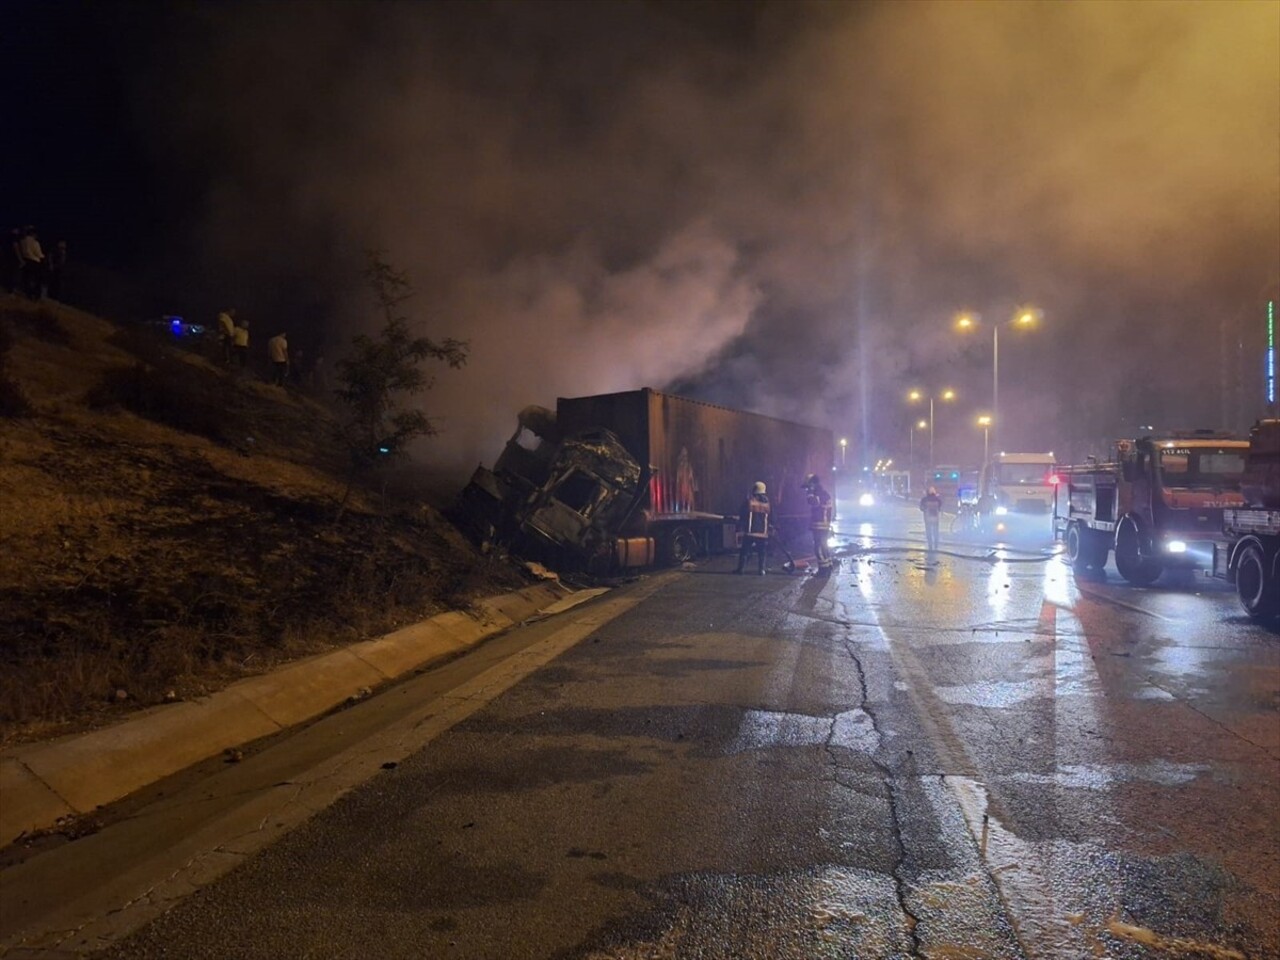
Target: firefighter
<point>931,507</point>
<point>754,518</point>
<point>820,511</point>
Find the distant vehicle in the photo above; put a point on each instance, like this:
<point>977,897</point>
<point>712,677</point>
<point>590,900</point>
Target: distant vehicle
<point>946,479</point>
<point>1152,504</point>
<point>632,479</point>
<point>175,326</point>
<point>1249,554</point>
<point>1015,493</point>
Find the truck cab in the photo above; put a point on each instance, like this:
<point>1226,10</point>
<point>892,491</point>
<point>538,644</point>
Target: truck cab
<point>1159,504</point>
<point>1016,492</point>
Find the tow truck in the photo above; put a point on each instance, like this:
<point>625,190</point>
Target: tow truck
<point>1249,554</point>
<point>1158,503</point>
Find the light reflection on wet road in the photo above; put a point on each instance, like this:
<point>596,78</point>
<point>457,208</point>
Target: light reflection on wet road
<point>969,755</point>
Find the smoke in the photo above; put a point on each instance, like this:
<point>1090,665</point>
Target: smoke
<point>778,206</point>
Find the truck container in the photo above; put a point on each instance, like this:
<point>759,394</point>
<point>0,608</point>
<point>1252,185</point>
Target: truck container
<point>629,479</point>
<point>1249,553</point>
<point>1158,504</point>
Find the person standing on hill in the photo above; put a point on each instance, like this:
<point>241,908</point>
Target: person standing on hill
<point>13,262</point>
<point>931,507</point>
<point>278,354</point>
<point>240,344</point>
<point>57,267</point>
<point>33,265</point>
<point>227,333</point>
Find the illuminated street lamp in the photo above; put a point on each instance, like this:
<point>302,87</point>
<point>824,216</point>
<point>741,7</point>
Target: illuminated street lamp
<point>915,396</point>
<point>844,445</point>
<point>985,424</point>
<point>1022,317</point>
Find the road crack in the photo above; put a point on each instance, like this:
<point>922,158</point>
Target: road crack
<point>900,883</point>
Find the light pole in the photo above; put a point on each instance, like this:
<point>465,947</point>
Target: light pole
<point>844,445</point>
<point>1022,317</point>
<point>911,449</point>
<point>985,424</point>
<point>915,396</point>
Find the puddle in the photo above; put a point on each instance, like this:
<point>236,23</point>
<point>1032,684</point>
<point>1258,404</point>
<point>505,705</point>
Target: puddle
<point>761,729</point>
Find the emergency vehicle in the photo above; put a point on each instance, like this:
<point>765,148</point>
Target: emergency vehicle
<point>1154,504</point>
<point>1015,492</point>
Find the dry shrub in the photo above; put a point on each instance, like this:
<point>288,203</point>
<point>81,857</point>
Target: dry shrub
<point>170,393</point>
<point>13,403</point>
<point>40,322</point>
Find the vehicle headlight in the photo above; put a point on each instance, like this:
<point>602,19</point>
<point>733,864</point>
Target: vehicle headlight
<point>1176,546</point>
<point>1002,511</point>
<point>866,500</point>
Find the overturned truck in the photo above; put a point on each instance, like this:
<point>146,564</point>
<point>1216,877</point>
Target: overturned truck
<point>638,478</point>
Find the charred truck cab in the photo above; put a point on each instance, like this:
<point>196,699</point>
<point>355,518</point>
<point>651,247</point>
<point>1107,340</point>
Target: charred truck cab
<point>1159,504</point>
<point>632,479</point>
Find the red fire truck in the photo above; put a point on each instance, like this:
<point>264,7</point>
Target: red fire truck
<point>1158,504</point>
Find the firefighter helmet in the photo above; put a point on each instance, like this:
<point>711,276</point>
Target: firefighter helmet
<point>759,487</point>
<point>810,481</point>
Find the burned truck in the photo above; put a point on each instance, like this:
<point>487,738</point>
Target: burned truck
<point>638,478</point>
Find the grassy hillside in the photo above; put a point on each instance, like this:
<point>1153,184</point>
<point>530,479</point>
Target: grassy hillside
<point>167,526</point>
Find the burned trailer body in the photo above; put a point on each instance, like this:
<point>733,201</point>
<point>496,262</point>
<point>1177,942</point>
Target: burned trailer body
<point>640,477</point>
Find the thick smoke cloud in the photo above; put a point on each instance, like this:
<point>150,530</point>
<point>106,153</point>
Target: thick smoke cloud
<point>778,206</point>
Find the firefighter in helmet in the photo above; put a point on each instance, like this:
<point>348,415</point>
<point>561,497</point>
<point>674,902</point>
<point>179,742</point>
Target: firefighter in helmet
<point>820,514</point>
<point>755,528</point>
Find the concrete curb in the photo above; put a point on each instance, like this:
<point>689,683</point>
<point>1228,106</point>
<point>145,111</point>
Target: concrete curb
<point>43,783</point>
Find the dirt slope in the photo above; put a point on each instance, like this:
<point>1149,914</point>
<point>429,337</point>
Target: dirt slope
<point>167,526</point>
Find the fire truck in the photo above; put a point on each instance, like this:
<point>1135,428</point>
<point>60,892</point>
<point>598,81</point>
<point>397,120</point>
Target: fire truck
<point>1158,504</point>
<point>1249,555</point>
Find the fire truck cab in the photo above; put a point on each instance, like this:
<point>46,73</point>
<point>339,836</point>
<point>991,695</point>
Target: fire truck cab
<point>1159,499</point>
<point>1015,492</point>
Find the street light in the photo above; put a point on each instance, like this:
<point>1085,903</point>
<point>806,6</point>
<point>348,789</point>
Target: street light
<point>1022,317</point>
<point>985,424</point>
<point>911,448</point>
<point>844,445</point>
<point>915,396</point>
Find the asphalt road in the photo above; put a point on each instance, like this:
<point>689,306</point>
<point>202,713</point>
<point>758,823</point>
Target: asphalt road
<point>970,755</point>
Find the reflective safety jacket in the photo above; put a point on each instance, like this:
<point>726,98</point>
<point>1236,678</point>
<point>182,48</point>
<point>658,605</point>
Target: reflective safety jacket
<point>821,508</point>
<point>755,516</point>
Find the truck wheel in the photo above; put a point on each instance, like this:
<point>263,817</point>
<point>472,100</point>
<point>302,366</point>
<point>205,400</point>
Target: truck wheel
<point>682,545</point>
<point>1257,592</point>
<point>1076,550</point>
<point>1133,566</point>
<point>1096,548</point>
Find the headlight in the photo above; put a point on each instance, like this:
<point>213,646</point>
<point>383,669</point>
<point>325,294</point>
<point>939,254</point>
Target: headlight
<point>866,500</point>
<point>1176,546</point>
<point>1002,511</point>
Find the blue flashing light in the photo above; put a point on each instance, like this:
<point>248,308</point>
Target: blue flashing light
<point>384,449</point>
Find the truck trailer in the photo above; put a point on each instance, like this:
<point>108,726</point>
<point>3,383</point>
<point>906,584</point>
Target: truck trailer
<point>1158,504</point>
<point>1249,553</point>
<point>639,478</point>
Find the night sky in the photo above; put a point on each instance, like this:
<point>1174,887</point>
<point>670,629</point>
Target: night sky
<point>779,206</point>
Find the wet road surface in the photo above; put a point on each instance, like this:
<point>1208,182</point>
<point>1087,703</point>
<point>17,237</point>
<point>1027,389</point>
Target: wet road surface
<point>968,755</point>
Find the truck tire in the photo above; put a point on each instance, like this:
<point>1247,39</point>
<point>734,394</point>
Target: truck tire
<point>1133,566</point>
<point>1096,547</point>
<point>1254,585</point>
<point>1077,552</point>
<point>681,546</point>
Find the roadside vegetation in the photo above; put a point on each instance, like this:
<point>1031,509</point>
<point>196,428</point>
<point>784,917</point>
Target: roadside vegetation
<point>167,527</point>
